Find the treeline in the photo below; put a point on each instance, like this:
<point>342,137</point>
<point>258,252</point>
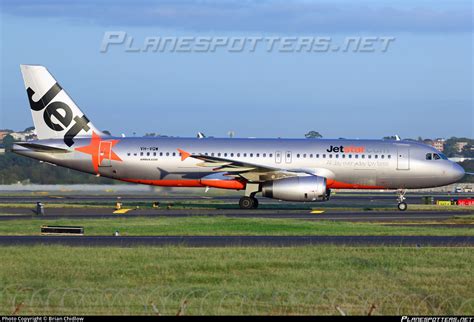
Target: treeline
<point>15,168</point>
<point>468,166</point>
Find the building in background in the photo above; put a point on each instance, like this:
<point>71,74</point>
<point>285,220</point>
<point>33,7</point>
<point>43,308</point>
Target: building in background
<point>26,135</point>
<point>3,133</point>
<point>438,144</point>
<point>460,145</point>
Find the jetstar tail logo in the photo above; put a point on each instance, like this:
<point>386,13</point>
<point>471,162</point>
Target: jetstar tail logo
<point>63,116</point>
<point>99,150</point>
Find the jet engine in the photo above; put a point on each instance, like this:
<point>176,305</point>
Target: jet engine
<point>308,188</point>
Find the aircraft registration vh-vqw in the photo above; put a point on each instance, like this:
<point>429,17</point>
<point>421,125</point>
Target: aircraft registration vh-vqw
<point>286,169</point>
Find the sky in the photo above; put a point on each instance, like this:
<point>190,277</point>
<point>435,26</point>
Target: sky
<point>422,85</point>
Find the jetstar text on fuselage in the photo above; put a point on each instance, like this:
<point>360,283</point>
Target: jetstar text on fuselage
<point>346,149</point>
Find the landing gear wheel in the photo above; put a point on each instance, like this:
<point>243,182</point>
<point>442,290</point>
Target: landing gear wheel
<point>255,203</point>
<point>246,203</point>
<point>402,206</point>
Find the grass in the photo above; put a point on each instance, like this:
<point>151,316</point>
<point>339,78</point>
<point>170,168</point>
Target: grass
<point>215,226</point>
<point>305,280</point>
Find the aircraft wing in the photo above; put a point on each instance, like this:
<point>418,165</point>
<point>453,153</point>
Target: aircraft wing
<point>248,171</point>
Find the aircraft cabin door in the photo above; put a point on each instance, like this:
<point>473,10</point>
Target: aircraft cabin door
<point>288,157</point>
<point>278,157</point>
<point>105,152</point>
<point>403,158</point>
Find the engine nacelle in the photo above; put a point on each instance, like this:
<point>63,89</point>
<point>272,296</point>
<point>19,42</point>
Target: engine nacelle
<point>310,188</point>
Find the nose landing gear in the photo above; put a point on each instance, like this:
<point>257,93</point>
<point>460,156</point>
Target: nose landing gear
<point>402,205</point>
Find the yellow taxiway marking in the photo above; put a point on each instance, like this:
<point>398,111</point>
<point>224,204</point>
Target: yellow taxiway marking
<point>317,211</point>
<point>122,211</point>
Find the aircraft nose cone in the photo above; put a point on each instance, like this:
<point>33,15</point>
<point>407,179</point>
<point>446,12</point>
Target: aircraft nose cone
<point>457,172</point>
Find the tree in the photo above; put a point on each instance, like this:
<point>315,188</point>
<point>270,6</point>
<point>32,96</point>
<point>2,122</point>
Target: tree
<point>8,141</point>
<point>106,132</point>
<point>30,128</point>
<point>313,135</point>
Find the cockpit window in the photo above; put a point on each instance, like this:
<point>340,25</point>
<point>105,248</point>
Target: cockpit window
<point>435,156</point>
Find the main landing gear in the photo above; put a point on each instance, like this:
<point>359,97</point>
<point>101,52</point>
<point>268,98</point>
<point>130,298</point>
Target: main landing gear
<point>249,201</point>
<point>402,205</point>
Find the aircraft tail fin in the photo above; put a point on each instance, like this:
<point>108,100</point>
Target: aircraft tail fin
<point>55,115</point>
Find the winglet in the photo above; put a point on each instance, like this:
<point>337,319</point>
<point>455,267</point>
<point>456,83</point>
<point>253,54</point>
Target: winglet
<point>184,154</point>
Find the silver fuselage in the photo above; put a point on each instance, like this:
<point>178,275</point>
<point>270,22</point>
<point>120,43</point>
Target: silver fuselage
<point>364,164</point>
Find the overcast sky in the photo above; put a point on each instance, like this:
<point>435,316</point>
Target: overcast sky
<point>422,85</point>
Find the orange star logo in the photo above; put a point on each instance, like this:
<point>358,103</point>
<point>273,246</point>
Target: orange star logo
<point>99,150</point>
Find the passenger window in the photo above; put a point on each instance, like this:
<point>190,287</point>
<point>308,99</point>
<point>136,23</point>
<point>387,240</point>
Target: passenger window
<point>436,156</point>
<point>251,155</point>
<point>317,156</point>
<point>376,156</point>
<point>330,156</point>
<point>298,155</point>
<point>350,156</point>
<point>154,154</point>
<point>231,154</point>
<point>271,155</point>
<point>382,156</point>
<point>311,155</point>
<point>343,156</point>
<point>245,155</point>
<point>174,154</point>
<point>389,156</point>
<point>167,153</point>
<point>219,154</point>
<point>428,156</point>
<point>337,156</point>
<point>238,155</point>
<point>356,156</point>
<point>141,153</point>
<point>161,154</point>
<point>258,155</point>
<point>135,154</point>
<point>324,156</point>
<point>148,154</point>
<point>128,154</point>
<point>225,154</point>
<point>363,156</point>
<point>264,155</point>
<point>212,154</point>
<point>369,156</point>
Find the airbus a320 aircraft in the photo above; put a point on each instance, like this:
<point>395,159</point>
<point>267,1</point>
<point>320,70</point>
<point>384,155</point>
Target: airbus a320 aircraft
<point>286,169</point>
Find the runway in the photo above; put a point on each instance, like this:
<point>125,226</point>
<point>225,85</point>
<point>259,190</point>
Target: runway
<point>337,198</point>
<point>240,241</point>
<point>329,214</point>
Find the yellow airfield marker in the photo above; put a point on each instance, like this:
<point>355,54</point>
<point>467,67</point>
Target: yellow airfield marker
<point>121,211</point>
<point>317,211</point>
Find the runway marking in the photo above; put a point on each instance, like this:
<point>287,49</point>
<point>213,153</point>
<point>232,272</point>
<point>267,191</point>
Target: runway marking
<point>121,211</point>
<point>316,211</point>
